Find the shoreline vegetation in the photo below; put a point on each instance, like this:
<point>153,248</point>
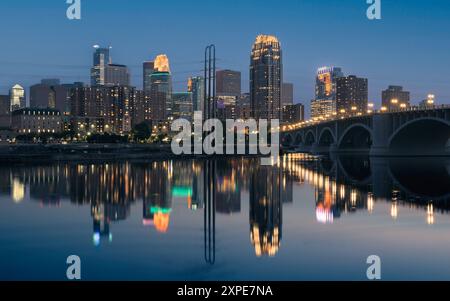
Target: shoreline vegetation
<point>85,152</point>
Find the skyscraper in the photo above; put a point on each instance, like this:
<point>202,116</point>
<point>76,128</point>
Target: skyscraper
<point>117,75</point>
<point>324,103</point>
<point>287,94</point>
<point>228,83</point>
<point>196,85</point>
<point>100,60</point>
<point>105,73</point>
<point>394,97</point>
<point>17,97</point>
<point>148,69</point>
<point>352,95</point>
<point>161,90</point>
<point>266,77</point>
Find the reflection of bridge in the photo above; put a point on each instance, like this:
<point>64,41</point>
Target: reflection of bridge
<point>408,132</point>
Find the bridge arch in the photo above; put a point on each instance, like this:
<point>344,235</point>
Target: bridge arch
<point>287,140</point>
<point>358,136</point>
<point>421,136</point>
<point>298,139</point>
<point>310,138</point>
<point>326,137</point>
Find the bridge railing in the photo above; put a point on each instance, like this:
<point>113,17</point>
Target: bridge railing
<point>309,123</point>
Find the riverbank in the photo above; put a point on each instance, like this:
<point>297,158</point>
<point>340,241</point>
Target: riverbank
<point>83,152</point>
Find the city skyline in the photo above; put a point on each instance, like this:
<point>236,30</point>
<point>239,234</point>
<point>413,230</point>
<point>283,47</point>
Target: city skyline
<point>69,60</point>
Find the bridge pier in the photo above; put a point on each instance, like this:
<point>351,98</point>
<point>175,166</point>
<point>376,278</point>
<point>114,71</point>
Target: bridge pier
<point>381,131</point>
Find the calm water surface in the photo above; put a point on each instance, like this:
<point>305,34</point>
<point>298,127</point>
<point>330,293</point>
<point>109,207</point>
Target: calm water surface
<point>231,219</point>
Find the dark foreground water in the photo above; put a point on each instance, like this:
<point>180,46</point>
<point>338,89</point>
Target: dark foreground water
<point>305,219</point>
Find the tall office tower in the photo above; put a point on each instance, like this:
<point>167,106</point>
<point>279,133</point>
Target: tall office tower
<point>228,83</point>
<point>182,105</point>
<point>17,97</point>
<point>243,107</point>
<point>196,85</point>
<point>228,92</point>
<point>161,90</point>
<point>324,104</point>
<point>287,94</point>
<point>266,76</point>
<point>352,95</point>
<point>101,59</point>
<point>147,70</point>
<point>117,75</point>
<point>394,97</point>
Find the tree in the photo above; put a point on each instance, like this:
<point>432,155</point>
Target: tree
<point>142,131</point>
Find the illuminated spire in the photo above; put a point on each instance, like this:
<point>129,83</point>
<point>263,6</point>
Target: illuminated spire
<point>266,39</point>
<point>162,63</point>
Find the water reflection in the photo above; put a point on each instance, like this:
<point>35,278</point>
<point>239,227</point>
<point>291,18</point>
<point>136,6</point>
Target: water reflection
<point>342,185</point>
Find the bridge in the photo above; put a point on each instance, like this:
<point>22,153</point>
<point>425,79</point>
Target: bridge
<point>408,132</point>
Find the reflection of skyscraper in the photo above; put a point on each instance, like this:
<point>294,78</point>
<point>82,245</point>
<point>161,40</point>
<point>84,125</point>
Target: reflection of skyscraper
<point>157,200</point>
<point>228,193</point>
<point>266,210</point>
<point>266,72</point>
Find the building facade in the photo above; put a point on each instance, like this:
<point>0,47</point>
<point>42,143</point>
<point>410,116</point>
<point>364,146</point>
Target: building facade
<point>287,94</point>
<point>228,83</point>
<point>36,121</point>
<point>117,75</point>
<point>324,103</point>
<point>394,97</point>
<point>352,95</point>
<point>266,77</point>
<point>5,111</point>
<point>294,113</point>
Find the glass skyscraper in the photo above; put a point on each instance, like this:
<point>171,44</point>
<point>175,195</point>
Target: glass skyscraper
<point>196,85</point>
<point>266,72</point>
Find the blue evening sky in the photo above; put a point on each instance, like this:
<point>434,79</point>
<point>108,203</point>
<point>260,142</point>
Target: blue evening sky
<point>410,46</point>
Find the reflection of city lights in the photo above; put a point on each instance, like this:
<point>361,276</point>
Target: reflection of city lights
<point>394,210</point>
<point>370,203</point>
<point>342,192</point>
<point>324,215</point>
<point>96,239</point>
<point>18,191</point>
<point>353,196</point>
<point>162,222</point>
<point>430,214</point>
